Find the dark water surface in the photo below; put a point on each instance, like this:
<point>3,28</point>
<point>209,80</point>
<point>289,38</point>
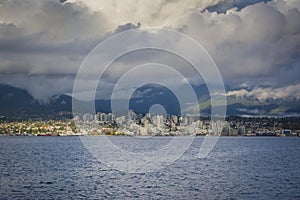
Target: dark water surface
<point>237,168</point>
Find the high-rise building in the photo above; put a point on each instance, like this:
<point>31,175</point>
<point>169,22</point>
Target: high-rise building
<point>102,117</point>
<point>87,117</point>
<point>131,115</point>
<point>158,120</point>
<point>110,117</point>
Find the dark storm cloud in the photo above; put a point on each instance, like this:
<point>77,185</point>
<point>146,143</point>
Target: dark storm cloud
<point>223,6</point>
<point>42,37</point>
<point>43,42</point>
<point>126,27</point>
<point>27,44</point>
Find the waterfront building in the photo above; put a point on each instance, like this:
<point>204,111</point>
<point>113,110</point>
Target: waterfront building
<point>87,117</point>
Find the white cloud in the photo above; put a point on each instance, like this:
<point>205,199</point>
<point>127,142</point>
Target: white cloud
<point>262,94</point>
<point>259,41</point>
<point>148,13</point>
<point>250,111</point>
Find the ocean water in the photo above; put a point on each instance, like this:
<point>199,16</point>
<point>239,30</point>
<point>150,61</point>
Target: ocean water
<point>237,168</point>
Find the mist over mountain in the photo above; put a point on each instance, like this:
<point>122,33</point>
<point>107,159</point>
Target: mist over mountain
<point>18,104</point>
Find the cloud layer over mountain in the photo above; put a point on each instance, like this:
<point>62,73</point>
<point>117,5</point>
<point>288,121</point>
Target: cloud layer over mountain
<point>262,94</point>
<point>44,42</point>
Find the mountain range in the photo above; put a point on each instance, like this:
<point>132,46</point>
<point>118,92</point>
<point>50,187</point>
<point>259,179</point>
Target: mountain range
<point>18,104</point>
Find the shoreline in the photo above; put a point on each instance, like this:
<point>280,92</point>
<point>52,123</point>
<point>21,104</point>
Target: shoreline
<point>101,135</point>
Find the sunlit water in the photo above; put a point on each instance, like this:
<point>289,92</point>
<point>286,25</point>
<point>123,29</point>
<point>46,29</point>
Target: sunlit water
<point>237,168</point>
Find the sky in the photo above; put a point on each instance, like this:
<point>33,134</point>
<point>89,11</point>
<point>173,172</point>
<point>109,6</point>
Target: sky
<point>255,44</point>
